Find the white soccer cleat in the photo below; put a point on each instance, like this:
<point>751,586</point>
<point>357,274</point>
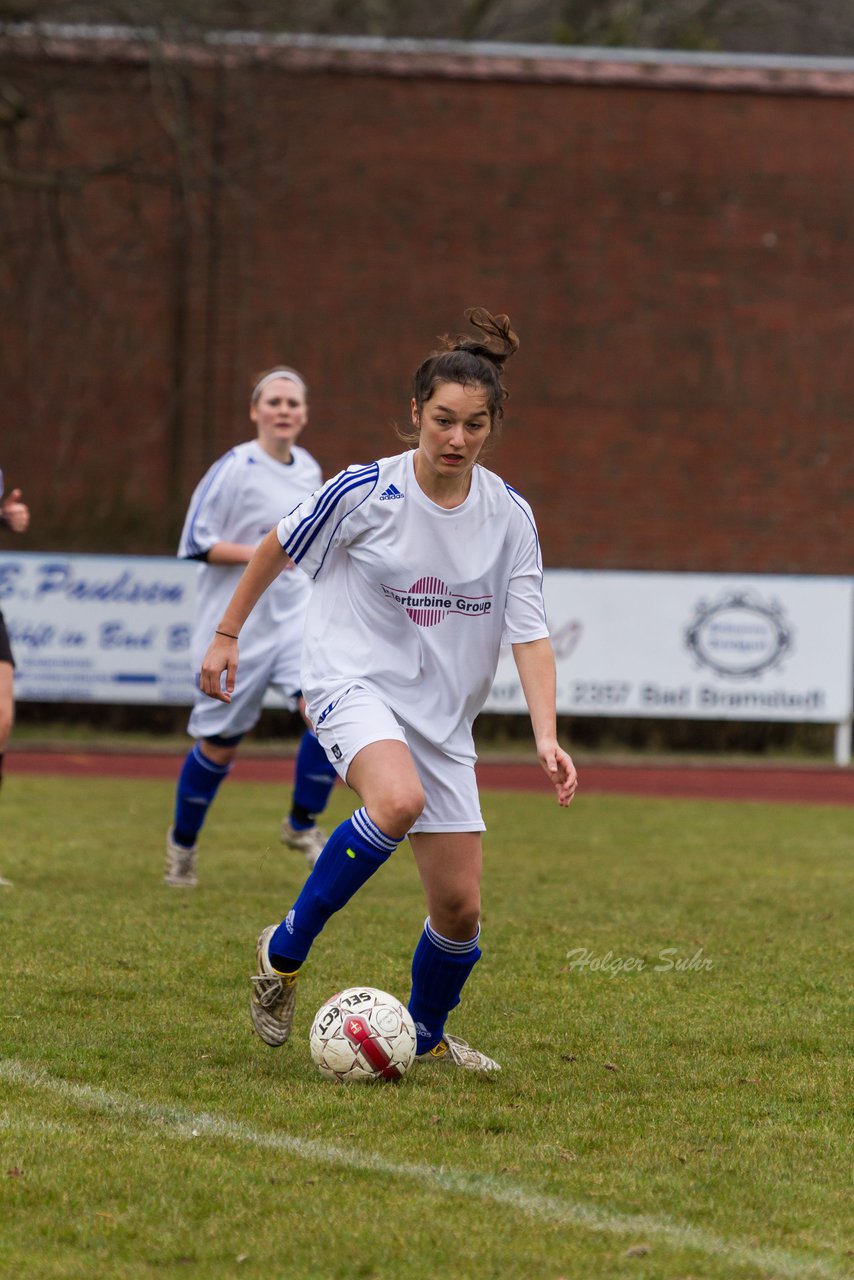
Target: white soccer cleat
<point>180,864</point>
<point>452,1051</point>
<point>311,841</point>
<point>274,996</point>
<point>4,883</point>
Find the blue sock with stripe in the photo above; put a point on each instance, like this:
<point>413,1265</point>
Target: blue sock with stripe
<point>351,855</point>
<point>314,778</point>
<point>440,968</point>
<point>198,783</point>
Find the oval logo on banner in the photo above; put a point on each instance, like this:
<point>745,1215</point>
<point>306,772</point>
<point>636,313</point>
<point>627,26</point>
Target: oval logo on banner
<point>739,635</point>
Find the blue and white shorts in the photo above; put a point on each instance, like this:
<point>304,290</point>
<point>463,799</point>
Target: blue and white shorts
<point>270,670</point>
<point>359,717</point>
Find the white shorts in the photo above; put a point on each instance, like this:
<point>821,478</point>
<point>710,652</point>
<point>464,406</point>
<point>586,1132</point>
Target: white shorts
<point>210,719</point>
<point>359,717</point>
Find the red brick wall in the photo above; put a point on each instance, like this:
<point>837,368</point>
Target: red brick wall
<point>678,264</point>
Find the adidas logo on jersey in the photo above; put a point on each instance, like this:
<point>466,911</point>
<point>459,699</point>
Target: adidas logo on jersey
<point>391,492</point>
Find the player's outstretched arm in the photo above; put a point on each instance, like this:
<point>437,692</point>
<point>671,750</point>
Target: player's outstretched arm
<point>536,666</point>
<point>266,564</point>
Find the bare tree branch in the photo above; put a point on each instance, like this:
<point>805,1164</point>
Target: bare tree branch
<point>774,26</point>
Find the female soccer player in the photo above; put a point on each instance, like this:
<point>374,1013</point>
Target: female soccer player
<point>235,504</point>
<point>423,564</point>
<point>14,515</point>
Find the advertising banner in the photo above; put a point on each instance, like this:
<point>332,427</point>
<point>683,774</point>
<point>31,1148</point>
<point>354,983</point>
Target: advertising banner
<point>99,628</point>
<point>696,646</point>
<point>691,646</point>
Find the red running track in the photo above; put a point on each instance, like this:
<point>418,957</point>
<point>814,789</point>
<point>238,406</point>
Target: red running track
<point>806,785</point>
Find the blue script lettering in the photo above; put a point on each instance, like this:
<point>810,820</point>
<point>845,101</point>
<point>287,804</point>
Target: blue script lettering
<point>29,635</point>
<point>59,579</point>
<point>115,635</point>
<point>177,638</point>
<point>8,575</point>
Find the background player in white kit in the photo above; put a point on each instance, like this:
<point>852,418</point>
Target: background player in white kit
<point>236,503</point>
<point>424,564</point>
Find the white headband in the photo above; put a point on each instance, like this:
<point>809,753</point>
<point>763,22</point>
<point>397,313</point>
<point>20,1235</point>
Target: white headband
<point>283,372</point>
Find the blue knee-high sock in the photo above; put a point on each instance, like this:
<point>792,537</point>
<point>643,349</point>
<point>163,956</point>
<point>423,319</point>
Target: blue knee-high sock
<point>351,855</point>
<point>198,783</point>
<point>313,781</point>
<point>440,968</point>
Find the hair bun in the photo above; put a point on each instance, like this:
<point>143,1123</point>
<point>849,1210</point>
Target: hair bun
<point>498,341</point>
<point>501,341</point>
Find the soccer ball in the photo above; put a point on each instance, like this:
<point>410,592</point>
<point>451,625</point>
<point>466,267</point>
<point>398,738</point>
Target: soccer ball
<point>363,1034</point>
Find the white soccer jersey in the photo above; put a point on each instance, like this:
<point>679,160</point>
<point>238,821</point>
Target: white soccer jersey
<point>240,499</point>
<point>411,600</point>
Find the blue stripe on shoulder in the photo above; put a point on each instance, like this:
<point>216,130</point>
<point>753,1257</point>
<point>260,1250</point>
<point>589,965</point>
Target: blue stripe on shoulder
<point>216,473</point>
<point>318,520</point>
<point>524,507</point>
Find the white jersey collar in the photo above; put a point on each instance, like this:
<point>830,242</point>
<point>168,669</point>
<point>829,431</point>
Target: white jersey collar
<point>423,500</point>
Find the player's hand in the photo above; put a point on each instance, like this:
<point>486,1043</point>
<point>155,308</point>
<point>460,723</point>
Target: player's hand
<point>220,658</point>
<point>16,514</point>
<point>560,770</point>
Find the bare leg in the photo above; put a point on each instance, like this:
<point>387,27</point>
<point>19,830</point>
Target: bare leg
<point>449,864</point>
<point>218,754</point>
<point>384,777</point>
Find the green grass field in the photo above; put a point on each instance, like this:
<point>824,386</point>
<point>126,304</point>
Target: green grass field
<point>682,1115</point>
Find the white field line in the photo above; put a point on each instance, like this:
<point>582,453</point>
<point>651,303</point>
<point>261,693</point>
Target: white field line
<point>189,1125</point>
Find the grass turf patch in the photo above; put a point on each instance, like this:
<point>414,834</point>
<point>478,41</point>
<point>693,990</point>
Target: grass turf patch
<point>662,982</point>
